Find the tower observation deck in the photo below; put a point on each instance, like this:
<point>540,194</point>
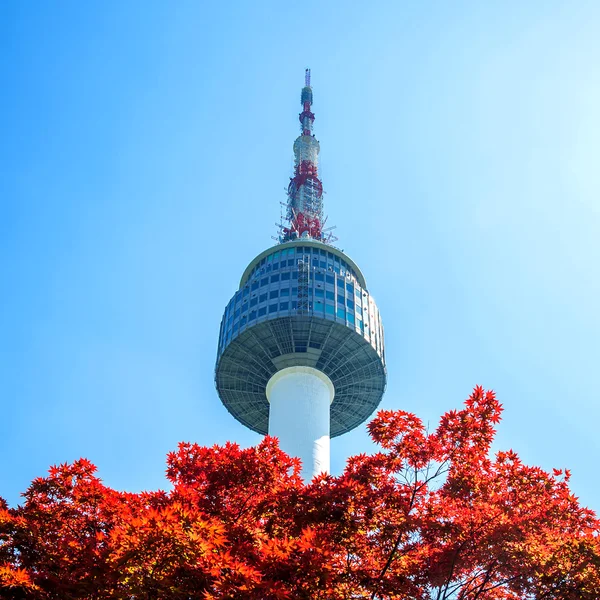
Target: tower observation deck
<point>301,348</point>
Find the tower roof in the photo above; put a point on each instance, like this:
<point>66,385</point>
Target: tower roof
<point>355,269</point>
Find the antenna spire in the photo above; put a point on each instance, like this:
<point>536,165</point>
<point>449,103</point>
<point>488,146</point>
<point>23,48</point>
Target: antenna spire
<point>304,212</point>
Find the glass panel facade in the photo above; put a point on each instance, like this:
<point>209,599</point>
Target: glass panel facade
<point>329,296</point>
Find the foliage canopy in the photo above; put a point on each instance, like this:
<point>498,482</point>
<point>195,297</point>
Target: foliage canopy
<point>430,516</point>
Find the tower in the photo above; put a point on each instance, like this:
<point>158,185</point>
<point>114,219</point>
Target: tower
<point>301,350</point>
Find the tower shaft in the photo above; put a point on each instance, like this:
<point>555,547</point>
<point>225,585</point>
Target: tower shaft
<point>299,401</point>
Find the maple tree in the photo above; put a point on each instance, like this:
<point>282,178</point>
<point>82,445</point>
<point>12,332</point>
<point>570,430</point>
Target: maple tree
<point>428,516</point>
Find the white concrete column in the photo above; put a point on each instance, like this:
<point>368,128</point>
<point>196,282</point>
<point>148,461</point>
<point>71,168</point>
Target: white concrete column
<point>299,399</point>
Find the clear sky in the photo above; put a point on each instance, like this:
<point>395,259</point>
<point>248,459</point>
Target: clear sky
<point>145,150</point>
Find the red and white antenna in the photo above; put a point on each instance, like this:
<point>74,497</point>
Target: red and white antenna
<point>305,191</point>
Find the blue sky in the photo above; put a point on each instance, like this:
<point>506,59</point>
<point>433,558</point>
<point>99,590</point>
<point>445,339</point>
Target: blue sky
<point>146,147</point>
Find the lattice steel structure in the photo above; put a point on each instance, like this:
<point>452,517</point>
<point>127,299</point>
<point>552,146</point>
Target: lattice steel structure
<point>302,304</point>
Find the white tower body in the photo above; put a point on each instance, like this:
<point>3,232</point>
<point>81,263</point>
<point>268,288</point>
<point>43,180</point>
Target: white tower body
<point>299,406</point>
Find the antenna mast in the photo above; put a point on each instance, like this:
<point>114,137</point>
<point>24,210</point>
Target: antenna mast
<point>304,212</point>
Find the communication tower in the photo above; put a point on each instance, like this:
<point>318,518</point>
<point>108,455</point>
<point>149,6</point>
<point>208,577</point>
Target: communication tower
<point>301,349</point>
